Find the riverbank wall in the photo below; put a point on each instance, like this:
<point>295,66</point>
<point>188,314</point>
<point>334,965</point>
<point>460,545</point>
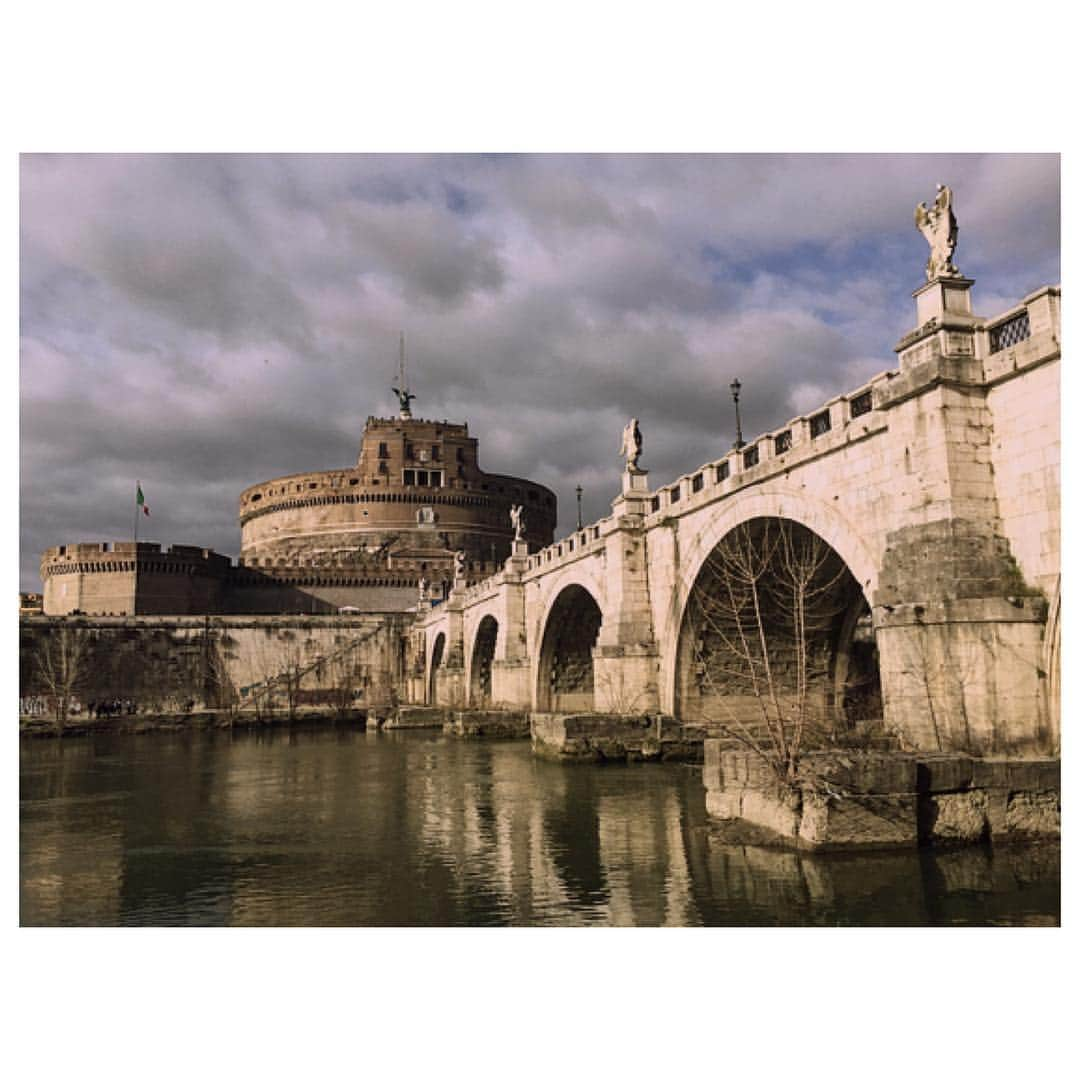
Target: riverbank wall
<point>44,727</point>
<point>168,666</point>
<point>872,799</point>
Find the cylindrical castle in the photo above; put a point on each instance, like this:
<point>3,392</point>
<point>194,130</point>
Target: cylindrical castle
<point>416,495</point>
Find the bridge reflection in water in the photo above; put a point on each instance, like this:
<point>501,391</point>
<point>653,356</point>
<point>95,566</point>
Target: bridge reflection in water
<point>337,828</point>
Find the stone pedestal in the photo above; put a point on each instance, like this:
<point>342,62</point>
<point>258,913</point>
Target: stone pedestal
<point>635,481</point>
<point>625,659</point>
<point>943,343</point>
<point>635,497</point>
<point>943,297</point>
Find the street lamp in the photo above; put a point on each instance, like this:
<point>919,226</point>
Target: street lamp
<point>736,386</point>
<point>579,490</point>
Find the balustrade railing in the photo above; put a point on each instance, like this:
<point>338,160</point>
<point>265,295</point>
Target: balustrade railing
<point>1010,332</point>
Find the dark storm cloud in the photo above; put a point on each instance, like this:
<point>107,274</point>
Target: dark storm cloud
<point>202,323</point>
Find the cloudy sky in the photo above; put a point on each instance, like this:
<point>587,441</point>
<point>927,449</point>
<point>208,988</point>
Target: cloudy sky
<point>201,323</point>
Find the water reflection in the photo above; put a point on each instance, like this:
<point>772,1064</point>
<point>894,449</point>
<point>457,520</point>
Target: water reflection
<point>335,828</point>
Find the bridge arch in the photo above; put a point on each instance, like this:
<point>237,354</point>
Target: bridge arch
<point>853,655</point>
<point>482,656</point>
<point>564,671</point>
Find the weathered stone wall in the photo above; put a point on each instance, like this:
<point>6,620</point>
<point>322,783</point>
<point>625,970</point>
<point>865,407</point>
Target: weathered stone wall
<point>846,799</point>
<point>1025,451</point>
<point>169,664</point>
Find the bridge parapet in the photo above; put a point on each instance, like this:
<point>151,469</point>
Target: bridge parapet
<point>586,541</point>
<point>840,421</point>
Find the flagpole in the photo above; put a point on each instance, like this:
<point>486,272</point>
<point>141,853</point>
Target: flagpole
<point>136,516</point>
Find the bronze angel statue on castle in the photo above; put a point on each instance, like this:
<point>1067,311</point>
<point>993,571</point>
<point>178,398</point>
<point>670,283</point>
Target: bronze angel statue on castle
<point>938,225</point>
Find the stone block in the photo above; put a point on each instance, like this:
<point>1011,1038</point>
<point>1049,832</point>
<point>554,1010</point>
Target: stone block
<point>956,816</point>
<point>1038,774</point>
<point>712,778</point>
<point>859,821</point>
<point>410,716</point>
<point>997,805</point>
<point>860,772</point>
<point>990,773</point>
<point>1033,813</point>
<point>943,772</point>
<point>778,810</point>
<point>744,769</point>
<point>713,750</point>
<point>726,805</point>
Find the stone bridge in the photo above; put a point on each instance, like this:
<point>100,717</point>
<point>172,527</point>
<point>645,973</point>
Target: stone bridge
<point>937,485</point>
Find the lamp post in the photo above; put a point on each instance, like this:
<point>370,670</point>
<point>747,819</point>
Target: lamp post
<point>579,490</point>
<point>736,386</point>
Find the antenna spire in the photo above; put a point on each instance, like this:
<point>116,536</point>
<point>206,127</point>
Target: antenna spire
<point>402,388</point>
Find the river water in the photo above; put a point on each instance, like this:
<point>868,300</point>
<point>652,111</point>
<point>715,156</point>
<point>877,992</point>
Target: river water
<point>327,827</point>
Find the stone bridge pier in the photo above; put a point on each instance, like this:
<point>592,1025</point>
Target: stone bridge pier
<point>626,656</point>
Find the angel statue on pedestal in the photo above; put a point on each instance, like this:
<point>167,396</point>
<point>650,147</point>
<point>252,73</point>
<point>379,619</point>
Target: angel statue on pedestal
<point>631,445</point>
<point>938,225</point>
<point>517,519</point>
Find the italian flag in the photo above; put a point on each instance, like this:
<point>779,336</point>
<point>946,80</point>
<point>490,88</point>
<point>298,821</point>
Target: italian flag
<point>140,500</point>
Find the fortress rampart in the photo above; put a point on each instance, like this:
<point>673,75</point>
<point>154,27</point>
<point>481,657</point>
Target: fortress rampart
<point>123,578</point>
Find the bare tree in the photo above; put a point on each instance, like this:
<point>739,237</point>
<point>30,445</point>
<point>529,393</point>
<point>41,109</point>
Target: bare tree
<point>62,661</point>
<point>762,621</point>
<point>289,677</point>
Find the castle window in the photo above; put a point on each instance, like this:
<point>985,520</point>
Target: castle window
<point>460,454</point>
<point>862,404</point>
<point>820,424</point>
<point>435,452</point>
<point>409,451</point>
<point>723,470</point>
<point>697,483</point>
<point>383,468</point>
<point>383,451</point>
<point>422,477</point>
<point>353,482</point>
<point>782,442</point>
<point>409,477</point>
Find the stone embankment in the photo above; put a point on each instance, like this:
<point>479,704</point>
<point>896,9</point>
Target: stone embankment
<point>494,724</point>
<point>870,799</point>
<point>467,723</point>
<point>196,720</point>
<point>606,737</point>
